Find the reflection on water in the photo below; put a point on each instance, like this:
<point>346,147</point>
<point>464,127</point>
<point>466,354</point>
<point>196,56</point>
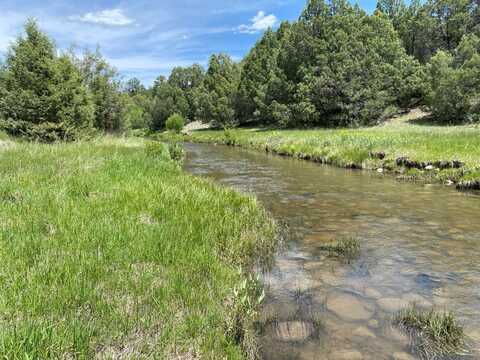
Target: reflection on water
<point>419,244</point>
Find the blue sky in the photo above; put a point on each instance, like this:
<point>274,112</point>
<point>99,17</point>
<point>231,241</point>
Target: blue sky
<point>146,38</point>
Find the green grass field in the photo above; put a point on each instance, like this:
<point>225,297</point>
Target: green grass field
<point>108,250</point>
<point>354,147</point>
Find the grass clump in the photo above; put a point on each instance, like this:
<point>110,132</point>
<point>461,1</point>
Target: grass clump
<point>434,334</point>
<point>158,150</point>
<point>166,151</point>
<point>109,250</point>
<point>347,248</point>
<point>176,151</point>
<point>229,137</point>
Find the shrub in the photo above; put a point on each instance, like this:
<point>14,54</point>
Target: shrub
<point>46,132</point>
<point>158,150</point>
<point>175,123</point>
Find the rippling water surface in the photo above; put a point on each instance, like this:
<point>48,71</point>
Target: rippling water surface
<point>419,244</point>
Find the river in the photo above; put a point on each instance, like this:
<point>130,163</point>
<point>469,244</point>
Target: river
<point>419,243</point>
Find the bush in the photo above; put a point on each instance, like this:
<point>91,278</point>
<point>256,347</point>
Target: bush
<point>46,132</point>
<point>175,123</point>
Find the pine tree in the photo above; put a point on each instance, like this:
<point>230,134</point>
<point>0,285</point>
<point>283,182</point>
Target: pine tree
<point>39,87</point>
<point>221,84</point>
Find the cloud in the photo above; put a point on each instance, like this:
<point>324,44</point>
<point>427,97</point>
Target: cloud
<point>260,22</point>
<point>112,17</point>
<point>147,62</point>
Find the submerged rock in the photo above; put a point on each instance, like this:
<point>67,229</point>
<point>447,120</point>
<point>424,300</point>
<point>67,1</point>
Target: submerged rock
<point>346,355</point>
<point>348,307</point>
<point>417,300</point>
<point>402,356</point>
<point>330,279</point>
<point>294,331</point>
<point>372,293</point>
<point>473,334</point>
<point>392,333</point>
<point>362,331</point>
<point>427,281</point>
<point>392,304</point>
<point>373,323</point>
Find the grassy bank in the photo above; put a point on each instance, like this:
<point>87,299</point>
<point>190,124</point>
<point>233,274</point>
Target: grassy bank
<point>108,251</point>
<point>411,151</point>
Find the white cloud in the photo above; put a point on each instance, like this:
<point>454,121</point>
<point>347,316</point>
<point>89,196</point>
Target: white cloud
<point>112,17</point>
<point>260,22</point>
<point>148,63</point>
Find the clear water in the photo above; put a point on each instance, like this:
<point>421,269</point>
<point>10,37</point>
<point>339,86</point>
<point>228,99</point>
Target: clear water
<point>418,244</point>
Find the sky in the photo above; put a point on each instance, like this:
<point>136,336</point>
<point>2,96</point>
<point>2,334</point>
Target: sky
<point>147,38</point>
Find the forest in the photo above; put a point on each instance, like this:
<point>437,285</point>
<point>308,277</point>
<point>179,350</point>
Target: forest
<point>336,66</point>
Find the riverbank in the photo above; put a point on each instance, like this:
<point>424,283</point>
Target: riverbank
<point>406,147</point>
<point>109,250</point>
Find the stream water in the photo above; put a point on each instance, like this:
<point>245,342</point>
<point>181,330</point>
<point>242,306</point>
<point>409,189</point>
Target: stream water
<point>418,244</point>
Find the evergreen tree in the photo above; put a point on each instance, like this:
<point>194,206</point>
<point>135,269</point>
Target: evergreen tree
<point>432,26</point>
<point>341,67</point>
<point>70,98</point>
<point>221,83</point>
<point>40,87</point>
<point>258,70</point>
<point>30,68</point>
<point>188,79</point>
<point>455,82</point>
<point>134,87</point>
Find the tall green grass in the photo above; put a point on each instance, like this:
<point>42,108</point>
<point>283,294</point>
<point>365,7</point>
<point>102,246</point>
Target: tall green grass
<point>108,250</point>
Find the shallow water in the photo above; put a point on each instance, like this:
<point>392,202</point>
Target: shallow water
<point>418,244</point>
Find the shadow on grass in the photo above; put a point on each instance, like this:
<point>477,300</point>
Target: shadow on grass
<point>429,120</point>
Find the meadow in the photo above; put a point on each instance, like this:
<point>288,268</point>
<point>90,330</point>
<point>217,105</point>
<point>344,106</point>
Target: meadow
<point>109,250</point>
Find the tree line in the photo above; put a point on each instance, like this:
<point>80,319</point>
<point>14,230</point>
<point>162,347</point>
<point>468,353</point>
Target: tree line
<point>335,66</point>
